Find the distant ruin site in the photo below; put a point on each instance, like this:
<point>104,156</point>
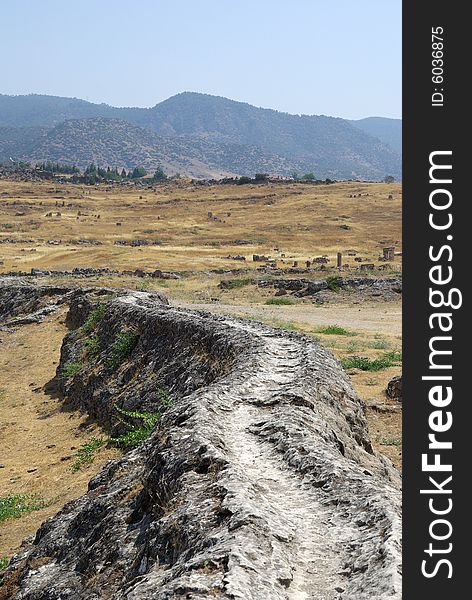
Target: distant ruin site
<point>200,390</point>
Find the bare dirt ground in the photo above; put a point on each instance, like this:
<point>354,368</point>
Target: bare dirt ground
<point>372,317</point>
<point>38,440</point>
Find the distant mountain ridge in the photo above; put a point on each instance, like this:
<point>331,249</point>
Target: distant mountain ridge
<point>195,134</point>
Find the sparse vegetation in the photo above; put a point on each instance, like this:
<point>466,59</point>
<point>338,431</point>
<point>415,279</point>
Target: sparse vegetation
<point>92,346</point>
<point>94,317</point>
<point>86,453</point>
<point>71,369</point>
<point>280,301</point>
<point>122,347</point>
<point>334,282</point>
<point>13,506</point>
<point>366,364</point>
<point>380,344</point>
<point>234,284</point>
<point>333,330</point>
<point>139,425</point>
<point>389,441</point>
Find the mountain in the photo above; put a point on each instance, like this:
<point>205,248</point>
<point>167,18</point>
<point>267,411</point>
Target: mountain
<point>120,144</point>
<point>388,131</point>
<point>195,134</point>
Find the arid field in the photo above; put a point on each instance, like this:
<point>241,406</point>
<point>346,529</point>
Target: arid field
<point>195,227</point>
<point>192,232</point>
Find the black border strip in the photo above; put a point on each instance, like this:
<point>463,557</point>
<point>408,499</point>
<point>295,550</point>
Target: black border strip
<point>428,128</point>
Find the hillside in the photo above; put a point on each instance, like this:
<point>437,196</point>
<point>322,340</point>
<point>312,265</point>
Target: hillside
<point>120,144</point>
<point>389,131</point>
<point>223,135</point>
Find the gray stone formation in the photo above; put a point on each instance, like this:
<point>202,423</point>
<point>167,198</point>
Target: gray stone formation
<point>259,481</point>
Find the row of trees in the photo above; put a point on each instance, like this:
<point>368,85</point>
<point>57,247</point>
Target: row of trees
<point>94,173</point>
<point>56,167</point>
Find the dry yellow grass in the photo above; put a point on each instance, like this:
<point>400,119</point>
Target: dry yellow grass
<point>39,439</point>
<point>300,220</point>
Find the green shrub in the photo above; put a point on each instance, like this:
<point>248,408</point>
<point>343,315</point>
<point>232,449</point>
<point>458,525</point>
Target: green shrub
<point>71,369</point>
<point>86,453</point>
<point>347,227</point>
<point>234,284</point>
<point>13,506</point>
<point>122,347</point>
<point>280,301</point>
<point>394,356</point>
<point>333,330</point>
<point>137,432</point>
<point>4,563</point>
<point>334,282</point>
<point>93,346</point>
<point>390,442</point>
<point>366,364</point>
<point>94,317</point>
<point>380,344</point>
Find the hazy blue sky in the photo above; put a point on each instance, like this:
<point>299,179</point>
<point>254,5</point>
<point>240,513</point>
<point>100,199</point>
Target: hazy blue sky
<point>334,57</point>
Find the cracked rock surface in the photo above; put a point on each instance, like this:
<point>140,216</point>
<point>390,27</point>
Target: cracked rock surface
<point>258,482</point>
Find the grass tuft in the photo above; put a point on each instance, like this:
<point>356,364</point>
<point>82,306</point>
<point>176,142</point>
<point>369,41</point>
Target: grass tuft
<point>93,346</point>
<point>14,506</point>
<point>71,369</point>
<point>234,284</point>
<point>122,347</point>
<point>94,317</point>
<point>280,301</point>
<point>139,424</point>
<point>334,283</point>
<point>366,364</point>
<point>334,330</point>
<point>86,453</point>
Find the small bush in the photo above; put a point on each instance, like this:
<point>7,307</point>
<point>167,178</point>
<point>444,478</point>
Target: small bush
<point>4,563</point>
<point>94,317</point>
<point>333,330</point>
<point>394,356</point>
<point>123,345</point>
<point>366,364</point>
<point>93,347</point>
<point>234,284</point>
<point>86,453</point>
<point>16,505</point>
<point>390,442</point>
<point>347,227</point>
<point>380,344</point>
<point>71,369</point>
<point>164,398</point>
<point>280,301</point>
<point>137,432</point>
<point>334,283</point>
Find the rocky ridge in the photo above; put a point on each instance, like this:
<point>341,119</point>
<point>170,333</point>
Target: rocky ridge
<point>258,482</point>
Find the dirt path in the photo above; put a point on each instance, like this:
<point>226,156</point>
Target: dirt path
<point>374,317</point>
<point>38,441</point>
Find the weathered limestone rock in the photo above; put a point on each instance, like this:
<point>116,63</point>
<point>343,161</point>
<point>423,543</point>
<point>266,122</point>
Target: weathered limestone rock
<point>394,388</point>
<point>259,482</point>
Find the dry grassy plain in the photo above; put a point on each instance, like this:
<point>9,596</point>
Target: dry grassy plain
<point>288,222</point>
<point>301,221</point>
